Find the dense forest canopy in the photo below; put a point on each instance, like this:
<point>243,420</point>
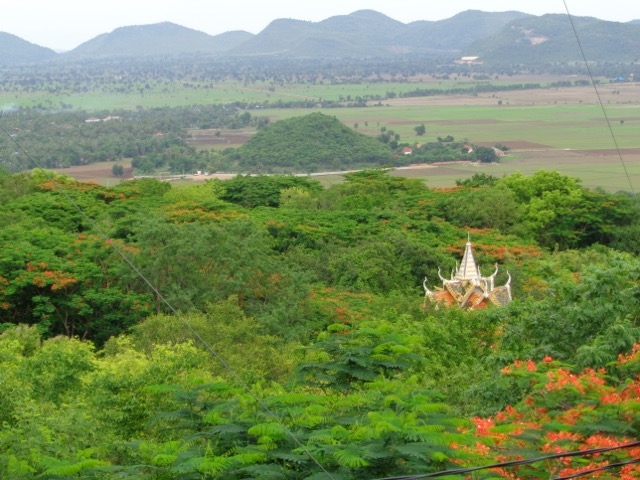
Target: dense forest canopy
<point>333,366</point>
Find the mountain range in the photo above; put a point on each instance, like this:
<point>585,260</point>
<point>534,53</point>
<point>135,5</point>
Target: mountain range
<point>503,37</point>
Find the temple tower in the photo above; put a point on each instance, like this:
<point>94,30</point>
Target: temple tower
<point>467,287</point>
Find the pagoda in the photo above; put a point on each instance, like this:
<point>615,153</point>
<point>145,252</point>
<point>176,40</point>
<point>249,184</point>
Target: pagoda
<point>467,288</point>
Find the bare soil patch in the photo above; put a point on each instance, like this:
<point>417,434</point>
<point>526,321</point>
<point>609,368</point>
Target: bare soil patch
<point>421,170</point>
<point>94,172</point>
<point>218,138</point>
<point>468,121</point>
<point>457,100</point>
<point>515,144</point>
<point>611,151</point>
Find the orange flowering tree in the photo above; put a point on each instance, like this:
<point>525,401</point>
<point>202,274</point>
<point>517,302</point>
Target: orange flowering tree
<point>564,412</point>
<point>66,285</point>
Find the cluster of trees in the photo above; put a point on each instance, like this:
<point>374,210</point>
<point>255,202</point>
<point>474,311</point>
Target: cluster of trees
<point>447,149</point>
<point>311,297</point>
<point>153,137</point>
<point>484,86</point>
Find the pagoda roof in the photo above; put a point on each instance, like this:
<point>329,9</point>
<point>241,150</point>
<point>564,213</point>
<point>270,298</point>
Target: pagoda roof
<point>468,269</point>
<point>468,288</point>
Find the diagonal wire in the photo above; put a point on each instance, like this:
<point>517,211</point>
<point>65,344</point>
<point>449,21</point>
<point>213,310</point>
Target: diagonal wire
<point>163,300</point>
<point>599,469</point>
<point>600,102</point>
<point>515,463</point>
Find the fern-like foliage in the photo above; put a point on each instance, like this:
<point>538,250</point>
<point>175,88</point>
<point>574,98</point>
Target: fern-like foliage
<point>54,467</point>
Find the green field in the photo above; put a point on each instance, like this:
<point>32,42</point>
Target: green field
<point>171,95</point>
<point>544,127</point>
<point>593,173</point>
<point>165,94</point>
<point>558,126</point>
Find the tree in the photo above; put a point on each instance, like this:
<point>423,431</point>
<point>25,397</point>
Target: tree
<point>560,212</point>
<point>420,129</point>
<point>251,191</point>
<point>565,410</point>
<point>66,285</point>
<point>587,315</point>
<point>117,170</point>
<point>227,330</point>
<point>485,154</point>
<point>478,180</point>
<point>484,207</point>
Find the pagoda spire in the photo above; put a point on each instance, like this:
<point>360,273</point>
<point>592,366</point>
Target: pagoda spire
<point>468,269</point>
<point>467,287</point>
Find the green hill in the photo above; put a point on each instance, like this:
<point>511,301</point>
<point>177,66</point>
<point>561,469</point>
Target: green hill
<point>457,32</point>
<point>551,39</point>
<point>497,38</point>
<point>364,32</point>
<point>158,39</point>
<point>370,33</point>
<point>312,142</point>
<point>14,51</point>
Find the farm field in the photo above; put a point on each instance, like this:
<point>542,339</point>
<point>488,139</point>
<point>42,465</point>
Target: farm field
<point>595,168</point>
<point>98,172</point>
<point>564,129</point>
<point>178,93</point>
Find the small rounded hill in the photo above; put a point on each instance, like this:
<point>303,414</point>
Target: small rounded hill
<point>312,142</point>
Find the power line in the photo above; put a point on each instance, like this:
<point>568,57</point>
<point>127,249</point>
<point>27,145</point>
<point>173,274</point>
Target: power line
<point>595,88</point>
<point>599,469</point>
<point>516,463</point>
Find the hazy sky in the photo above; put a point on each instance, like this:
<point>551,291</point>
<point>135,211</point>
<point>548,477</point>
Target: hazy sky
<point>65,24</point>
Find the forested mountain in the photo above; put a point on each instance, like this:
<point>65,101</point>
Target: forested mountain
<point>551,39</point>
<point>503,37</point>
<point>310,143</point>
<point>369,33</point>
<point>16,51</point>
<point>362,33</point>
<point>456,33</point>
<point>158,39</point>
